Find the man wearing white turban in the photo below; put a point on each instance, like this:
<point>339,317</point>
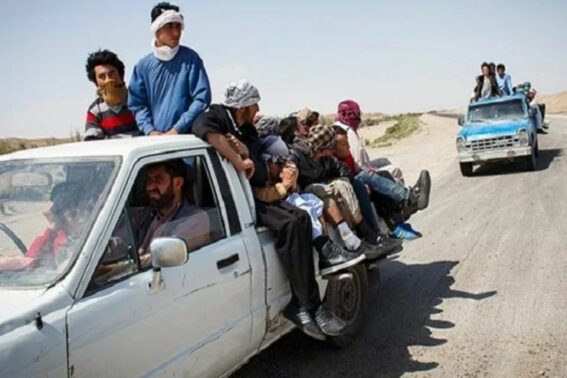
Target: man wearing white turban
<point>169,88</point>
<point>230,130</point>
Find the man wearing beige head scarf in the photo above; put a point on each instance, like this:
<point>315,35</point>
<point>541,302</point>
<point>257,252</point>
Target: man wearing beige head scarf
<point>108,116</point>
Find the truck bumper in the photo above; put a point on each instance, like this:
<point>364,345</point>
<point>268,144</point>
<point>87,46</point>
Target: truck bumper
<point>507,153</point>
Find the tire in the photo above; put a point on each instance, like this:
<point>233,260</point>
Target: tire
<point>348,300</point>
<point>531,160</point>
<point>466,169</point>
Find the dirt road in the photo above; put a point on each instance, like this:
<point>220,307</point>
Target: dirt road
<point>482,294</point>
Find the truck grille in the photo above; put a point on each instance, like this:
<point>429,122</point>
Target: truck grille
<point>493,143</point>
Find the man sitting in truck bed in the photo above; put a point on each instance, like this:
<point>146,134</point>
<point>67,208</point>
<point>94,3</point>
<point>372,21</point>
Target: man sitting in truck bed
<point>322,174</point>
<point>394,202</point>
<point>229,129</point>
<point>504,80</point>
<point>283,175</point>
<point>486,85</point>
<point>535,109</point>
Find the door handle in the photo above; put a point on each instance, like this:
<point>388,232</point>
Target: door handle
<point>228,261</point>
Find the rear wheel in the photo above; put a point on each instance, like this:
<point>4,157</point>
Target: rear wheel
<point>347,299</point>
<point>466,169</point>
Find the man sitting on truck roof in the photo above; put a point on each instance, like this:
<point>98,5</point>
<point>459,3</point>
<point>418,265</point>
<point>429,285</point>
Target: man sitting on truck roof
<point>486,85</point>
<point>504,80</point>
<point>108,116</point>
<point>229,129</point>
<point>169,88</point>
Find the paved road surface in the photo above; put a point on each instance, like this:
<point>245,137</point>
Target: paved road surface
<point>484,293</point>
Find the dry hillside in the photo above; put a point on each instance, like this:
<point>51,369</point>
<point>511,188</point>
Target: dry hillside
<point>556,103</point>
<point>14,144</point>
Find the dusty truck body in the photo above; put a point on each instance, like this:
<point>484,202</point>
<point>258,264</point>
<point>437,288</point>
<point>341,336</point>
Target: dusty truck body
<point>201,312</point>
<point>497,128</point>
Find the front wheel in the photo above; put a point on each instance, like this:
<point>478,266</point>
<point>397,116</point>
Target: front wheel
<point>531,160</point>
<point>347,299</point>
<point>466,169</point>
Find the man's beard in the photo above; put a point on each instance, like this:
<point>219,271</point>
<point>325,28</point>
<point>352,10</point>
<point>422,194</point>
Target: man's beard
<point>164,199</point>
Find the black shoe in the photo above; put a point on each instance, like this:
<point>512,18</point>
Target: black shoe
<point>419,194</point>
<point>335,258</point>
<point>541,131</point>
<point>303,320</point>
<point>381,247</point>
<point>329,323</point>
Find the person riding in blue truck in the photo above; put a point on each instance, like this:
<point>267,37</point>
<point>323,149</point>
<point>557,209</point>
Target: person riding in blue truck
<point>497,128</point>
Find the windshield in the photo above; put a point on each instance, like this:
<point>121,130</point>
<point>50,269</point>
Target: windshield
<point>46,211</point>
<point>496,112</point>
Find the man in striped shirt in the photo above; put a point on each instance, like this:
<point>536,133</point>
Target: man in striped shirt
<point>108,116</point>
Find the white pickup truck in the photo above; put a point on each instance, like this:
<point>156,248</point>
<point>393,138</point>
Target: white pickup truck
<point>197,313</point>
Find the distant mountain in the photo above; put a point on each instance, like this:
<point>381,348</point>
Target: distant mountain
<point>8,145</point>
<point>554,103</point>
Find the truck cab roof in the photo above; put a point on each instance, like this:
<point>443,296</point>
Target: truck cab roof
<point>496,100</point>
<point>123,147</point>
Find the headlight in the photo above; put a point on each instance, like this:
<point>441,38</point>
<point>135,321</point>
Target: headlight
<point>461,145</point>
<point>523,137</point>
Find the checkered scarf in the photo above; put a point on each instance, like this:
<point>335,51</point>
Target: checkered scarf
<point>321,137</point>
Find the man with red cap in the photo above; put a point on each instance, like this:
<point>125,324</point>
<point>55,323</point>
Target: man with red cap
<point>348,119</point>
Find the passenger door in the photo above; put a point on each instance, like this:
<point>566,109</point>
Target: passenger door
<point>198,323</point>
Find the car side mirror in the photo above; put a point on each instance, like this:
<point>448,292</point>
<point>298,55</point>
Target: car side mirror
<point>165,252</point>
<point>168,251</point>
<point>461,121</point>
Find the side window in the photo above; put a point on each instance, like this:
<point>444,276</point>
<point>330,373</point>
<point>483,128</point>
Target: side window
<point>170,198</point>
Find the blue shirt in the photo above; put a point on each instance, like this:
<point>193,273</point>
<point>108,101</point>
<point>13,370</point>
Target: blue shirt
<point>505,84</point>
<point>169,94</point>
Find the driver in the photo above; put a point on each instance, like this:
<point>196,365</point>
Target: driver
<point>66,215</point>
<point>169,212</point>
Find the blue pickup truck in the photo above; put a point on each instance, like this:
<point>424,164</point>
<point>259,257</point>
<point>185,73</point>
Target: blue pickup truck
<point>497,128</point>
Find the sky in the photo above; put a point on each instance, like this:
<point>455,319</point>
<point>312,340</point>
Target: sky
<point>390,56</point>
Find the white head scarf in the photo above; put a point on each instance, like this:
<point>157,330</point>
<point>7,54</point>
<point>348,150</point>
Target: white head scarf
<point>241,94</point>
<point>165,53</point>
